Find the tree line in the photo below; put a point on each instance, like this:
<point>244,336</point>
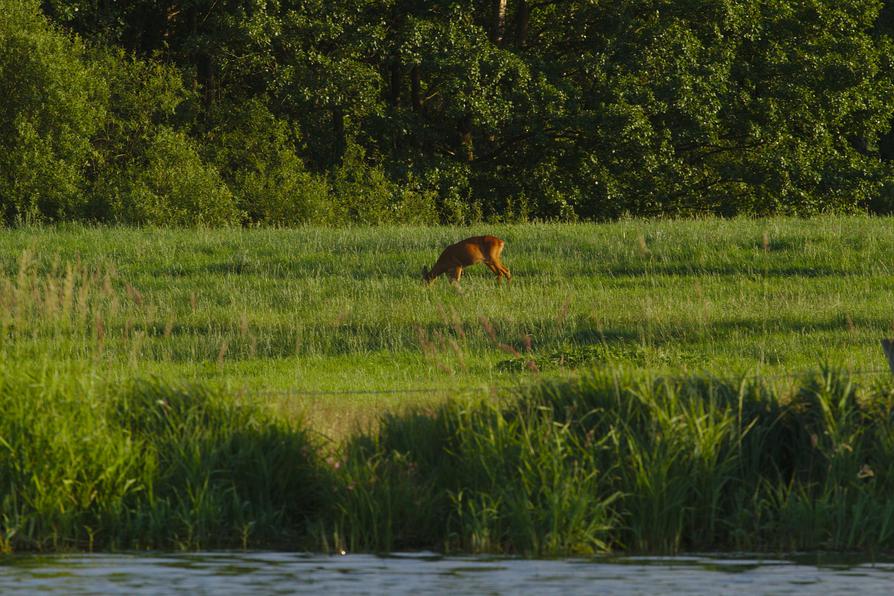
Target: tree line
<point>282,112</point>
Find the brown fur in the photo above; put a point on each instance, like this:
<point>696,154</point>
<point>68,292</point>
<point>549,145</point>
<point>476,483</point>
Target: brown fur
<point>477,249</point>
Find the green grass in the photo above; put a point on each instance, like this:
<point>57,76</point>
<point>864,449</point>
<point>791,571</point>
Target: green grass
<point>640,387</point>
<point>615,462</point>
<point>343,310</point>
<point>90,464</point>
<point>604,462</point>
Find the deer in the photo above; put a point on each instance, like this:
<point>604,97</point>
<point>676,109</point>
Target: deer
<point>477,249</point>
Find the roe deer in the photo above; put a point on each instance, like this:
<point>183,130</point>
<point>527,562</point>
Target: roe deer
<point>478,249</point>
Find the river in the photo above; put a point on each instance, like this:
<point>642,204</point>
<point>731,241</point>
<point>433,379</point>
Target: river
<point>220,573</point>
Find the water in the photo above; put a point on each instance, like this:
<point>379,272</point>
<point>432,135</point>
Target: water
<point>425,573</point>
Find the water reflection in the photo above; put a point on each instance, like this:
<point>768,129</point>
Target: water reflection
<point>272,572</point>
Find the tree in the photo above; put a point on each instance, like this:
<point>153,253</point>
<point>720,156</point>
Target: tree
<point>521,108</point>
<point>50,110</point>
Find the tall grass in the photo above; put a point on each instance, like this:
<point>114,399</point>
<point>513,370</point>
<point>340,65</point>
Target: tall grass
<point>611,462</point>
<point>90,464</point>
<point>604,462</point>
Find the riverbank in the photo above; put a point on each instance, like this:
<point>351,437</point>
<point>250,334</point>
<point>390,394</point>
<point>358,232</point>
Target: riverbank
<point>607,462</point>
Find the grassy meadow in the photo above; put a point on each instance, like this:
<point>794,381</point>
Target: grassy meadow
<point>286,313</point>
<point>648,386</point>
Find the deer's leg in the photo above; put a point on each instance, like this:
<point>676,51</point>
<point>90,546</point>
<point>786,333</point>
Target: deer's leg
<point>504,272</point>
<point>456,273</point>
<point>499,275</point>
<point>499,270</point>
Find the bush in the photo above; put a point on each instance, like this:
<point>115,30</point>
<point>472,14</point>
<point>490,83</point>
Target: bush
<point>364,194</point>
<point>147,464</point>
<point>50,110</point>
<point>172,187</point>
<point>607,462</point>
<point>255,153</point>
<point>142,97</point>
<point>456,205</point>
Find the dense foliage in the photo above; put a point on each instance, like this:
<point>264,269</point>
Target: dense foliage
<point>290,111</point>
<point>142,463</point>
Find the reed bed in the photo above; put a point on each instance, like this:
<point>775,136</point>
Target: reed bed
<point>608,462</point>
<point>88,464</point>
<point>605,462</point>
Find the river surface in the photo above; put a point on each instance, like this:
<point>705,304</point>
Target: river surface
<point>220,573</point>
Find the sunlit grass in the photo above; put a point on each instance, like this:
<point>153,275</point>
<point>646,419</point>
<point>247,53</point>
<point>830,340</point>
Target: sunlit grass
<point>287,312</point>
<point>637,388</point>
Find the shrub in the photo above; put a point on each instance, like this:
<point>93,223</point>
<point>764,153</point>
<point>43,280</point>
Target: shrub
<point>147,464</point>
<point>173,186</point>
<point>50,110</point>
<point>255,154</point>
<point>142,98</point>
<point>614,462</point>
<point>365,195</point>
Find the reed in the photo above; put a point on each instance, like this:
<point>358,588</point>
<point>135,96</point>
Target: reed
<point>91,464</point>
<point>614,462</point>
<point>607,461</point>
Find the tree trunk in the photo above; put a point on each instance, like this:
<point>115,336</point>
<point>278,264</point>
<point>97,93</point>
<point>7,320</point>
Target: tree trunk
<point>416,88</point>
<point>394,91</point>
<point>201,57</point>
<point>338,134</point>
<point>522,19</point>
<point>465,137</point>
<point>886,144</point>
<point>499,21</point>
<point>206,78</point>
